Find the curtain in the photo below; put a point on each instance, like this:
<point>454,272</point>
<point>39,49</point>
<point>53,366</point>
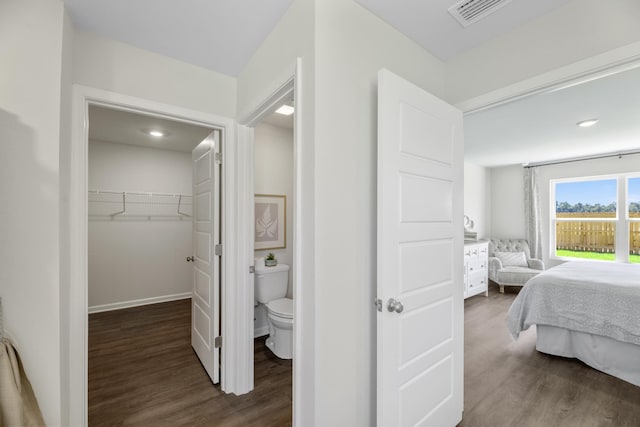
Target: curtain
<point>532,215</point>
<point>18,404</point>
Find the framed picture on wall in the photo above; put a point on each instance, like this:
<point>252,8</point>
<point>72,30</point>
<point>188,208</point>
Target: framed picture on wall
<point>270,221</point>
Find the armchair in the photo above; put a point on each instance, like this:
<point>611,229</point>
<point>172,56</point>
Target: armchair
<point>510,262</point>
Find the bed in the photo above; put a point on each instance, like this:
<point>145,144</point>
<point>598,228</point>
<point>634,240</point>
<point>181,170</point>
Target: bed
<point>585,310</point>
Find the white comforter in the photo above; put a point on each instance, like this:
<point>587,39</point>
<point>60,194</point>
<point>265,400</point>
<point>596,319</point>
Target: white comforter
<point>595,297</point>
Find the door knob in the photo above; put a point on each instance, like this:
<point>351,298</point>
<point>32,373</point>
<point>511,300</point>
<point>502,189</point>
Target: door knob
<point>394,305</point>
<point>191,259</point>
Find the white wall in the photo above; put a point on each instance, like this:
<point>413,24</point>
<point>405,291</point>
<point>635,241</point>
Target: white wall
<point>508,193</point>
<point>273,174</point>
<point>574,31</point>
<point>31,50</point>
<point>136,258</point>
<point>352,46</point>
<point>65,223</point>
<point>507,202</point>
<point>110,65</point>
<point>477,197</point>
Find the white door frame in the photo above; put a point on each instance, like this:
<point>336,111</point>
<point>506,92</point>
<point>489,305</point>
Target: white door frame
<point>82,97</point>
<point>291,84</point>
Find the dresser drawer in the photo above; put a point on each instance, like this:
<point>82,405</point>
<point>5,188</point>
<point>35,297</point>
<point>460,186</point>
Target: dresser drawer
<point>476,265</point>
<point>476,283</point>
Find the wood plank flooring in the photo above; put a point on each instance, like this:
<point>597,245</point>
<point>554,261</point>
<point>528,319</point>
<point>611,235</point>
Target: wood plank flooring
<point>143,372</point>
<point>511,384</point>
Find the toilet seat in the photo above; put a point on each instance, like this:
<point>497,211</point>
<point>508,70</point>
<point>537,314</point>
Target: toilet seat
<point>282,307</point>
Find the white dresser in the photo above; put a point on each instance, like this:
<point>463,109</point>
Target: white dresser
<point>476,268</point>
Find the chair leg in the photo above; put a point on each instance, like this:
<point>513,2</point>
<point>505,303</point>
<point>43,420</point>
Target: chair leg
<point>502,289</point>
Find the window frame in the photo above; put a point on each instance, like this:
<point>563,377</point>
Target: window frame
<point>622,219</point>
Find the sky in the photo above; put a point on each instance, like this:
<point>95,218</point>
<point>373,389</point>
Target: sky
<point>633,188</point>
<point>587,192</point>
<point>592,192</point>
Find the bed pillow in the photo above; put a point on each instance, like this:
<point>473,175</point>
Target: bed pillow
<point>512,259</point>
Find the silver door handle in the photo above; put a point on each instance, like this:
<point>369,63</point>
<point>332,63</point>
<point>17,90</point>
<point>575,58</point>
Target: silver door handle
<point>394,305</point>
<point>191,259</point>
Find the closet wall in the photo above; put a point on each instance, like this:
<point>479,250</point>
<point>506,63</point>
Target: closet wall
<point>136,259</point>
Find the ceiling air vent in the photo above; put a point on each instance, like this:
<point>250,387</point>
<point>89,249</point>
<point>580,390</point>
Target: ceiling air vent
<point>469,11</point>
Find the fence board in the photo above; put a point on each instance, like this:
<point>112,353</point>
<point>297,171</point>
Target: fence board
<point>593,236</point>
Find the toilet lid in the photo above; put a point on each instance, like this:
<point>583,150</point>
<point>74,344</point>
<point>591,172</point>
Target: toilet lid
<point>281,307</point>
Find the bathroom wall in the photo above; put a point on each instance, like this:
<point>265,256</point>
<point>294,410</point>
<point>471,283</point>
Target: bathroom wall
<point>136,260</point>
<point>273,174</point>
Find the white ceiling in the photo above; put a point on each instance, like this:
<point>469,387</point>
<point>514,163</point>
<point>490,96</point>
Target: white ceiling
<point>543,127</point>
<point>123,127</point>
<point>223,35</point>
<point>429,23</point>
<point>220,35</point>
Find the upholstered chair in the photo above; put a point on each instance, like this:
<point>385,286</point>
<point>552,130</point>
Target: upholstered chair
<point>510,262</point>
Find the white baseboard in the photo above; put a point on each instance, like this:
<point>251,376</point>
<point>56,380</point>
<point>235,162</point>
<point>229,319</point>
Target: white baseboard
<point>138,302</point>
<point>260,332</point>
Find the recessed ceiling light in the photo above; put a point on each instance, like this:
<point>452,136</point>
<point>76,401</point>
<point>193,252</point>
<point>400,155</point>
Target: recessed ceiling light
<point>587,123</point>
<point>156,133</point>
<point>285,110</point>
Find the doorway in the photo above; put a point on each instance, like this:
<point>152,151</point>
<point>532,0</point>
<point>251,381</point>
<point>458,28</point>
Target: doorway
<point>151,260</point>
<point>84,98</point>
<point>273,169</point>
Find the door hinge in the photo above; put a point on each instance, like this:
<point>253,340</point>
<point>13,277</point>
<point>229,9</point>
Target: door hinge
<point>218,158</point>
<point>252,269</point>
<point>378,303</point>
<point>217,250</point>
<point>217,342</point>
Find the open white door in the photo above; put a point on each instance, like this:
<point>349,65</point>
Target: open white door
<point>420,232</point>
<point>205,302</point>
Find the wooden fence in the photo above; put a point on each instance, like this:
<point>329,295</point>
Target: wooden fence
<point>593,236</point>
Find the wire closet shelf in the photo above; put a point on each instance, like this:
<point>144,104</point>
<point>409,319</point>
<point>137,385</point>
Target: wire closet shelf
<point>134,204</point>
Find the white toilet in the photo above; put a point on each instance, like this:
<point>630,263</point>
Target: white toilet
<point>271,290</point>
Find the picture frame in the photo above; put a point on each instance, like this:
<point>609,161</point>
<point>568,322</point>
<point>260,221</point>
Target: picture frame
<point>270,222</point>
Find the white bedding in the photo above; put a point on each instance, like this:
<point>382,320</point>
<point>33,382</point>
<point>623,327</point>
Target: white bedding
<point>592,297</point>
<point>616,358</point>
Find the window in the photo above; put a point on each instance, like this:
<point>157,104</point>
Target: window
<point>588,223</point>
<point>633,199</point>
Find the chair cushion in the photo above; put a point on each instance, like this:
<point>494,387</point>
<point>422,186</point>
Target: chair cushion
<point>512,259</point>
<point>515,275</point>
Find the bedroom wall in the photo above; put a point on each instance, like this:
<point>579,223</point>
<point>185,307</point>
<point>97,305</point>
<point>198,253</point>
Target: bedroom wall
<point>136,260</point>
<point>574,31</point>
<point>477,197</point>
<point>508,193</point>
<point>507,202</point>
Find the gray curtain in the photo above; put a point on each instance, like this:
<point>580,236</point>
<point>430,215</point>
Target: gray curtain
<point>532,215</point>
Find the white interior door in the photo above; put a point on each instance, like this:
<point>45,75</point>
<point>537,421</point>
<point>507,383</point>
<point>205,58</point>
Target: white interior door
<point>420,232</point>
<point>205,302</point>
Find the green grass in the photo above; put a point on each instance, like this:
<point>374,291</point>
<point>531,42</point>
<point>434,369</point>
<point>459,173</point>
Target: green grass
<point>593,255</point>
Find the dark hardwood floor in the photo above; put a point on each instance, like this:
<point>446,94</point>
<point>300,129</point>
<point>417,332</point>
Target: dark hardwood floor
<point>143,372</point>
<point>511,384</point>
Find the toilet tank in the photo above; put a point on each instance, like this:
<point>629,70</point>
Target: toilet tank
<point>271,282</point>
